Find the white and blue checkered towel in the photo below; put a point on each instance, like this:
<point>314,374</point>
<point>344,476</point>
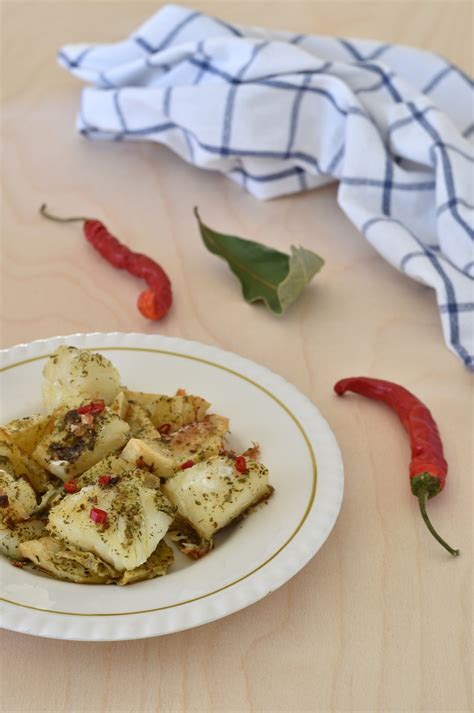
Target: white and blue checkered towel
<point>280,113</point>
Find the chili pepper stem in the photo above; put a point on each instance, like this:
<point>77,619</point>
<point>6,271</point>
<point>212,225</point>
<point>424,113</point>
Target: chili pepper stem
<point>422,498</point>
<point>76,219</point>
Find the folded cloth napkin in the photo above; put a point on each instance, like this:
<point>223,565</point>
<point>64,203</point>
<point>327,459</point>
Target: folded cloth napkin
<point>281,113</point>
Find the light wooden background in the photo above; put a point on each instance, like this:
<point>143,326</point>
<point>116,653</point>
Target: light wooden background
<point>380,620</point>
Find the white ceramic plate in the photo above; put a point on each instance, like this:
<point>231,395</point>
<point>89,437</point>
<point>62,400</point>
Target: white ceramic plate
<point>252,558</point>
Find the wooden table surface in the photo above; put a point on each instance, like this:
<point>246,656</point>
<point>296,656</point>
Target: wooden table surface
<point>379,620</point>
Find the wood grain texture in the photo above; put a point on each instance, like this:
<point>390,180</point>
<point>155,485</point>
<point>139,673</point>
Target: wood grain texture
<point>380,620</point>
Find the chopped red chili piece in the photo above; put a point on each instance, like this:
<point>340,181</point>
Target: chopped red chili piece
<point>93,407</point>
<point>164,429</point>
<point>108,479</point>
<point>17,563</point>
<point>71,486</point>
<point>187,464</point>
<point>4,501</point>
<point>99,516</point>
<point>241,464</point>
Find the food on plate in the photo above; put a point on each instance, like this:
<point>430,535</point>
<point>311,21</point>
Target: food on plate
<point>26,432</point>
<point>12,536</point>
<point>168,413</point>
<point>17,497</point>
<point>166,454</point>
<point>22,481</point>
<point>75,439</point>
<point>95,491</point>
<point>73,376</point>
<point>74,565</point>
<point>156,565</point>
<point>113,465</point>
<point>19,464</point>
<point>141,425</point>
<point>121,519</point>
<point>213,493</point>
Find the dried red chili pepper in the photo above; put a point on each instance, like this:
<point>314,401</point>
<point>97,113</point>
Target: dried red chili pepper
<point>154,302</point>
<point>428,467</point>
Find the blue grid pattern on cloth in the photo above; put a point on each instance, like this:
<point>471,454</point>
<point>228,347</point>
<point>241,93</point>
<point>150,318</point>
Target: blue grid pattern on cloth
<point>280,113</point>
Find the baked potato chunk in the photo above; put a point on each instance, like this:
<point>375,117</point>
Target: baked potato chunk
<point>156,565</point>
<point>72,376</point>
<point>22,465</point>
<point>175,411</point>
<point>12,537</point>
<point>74,442</point>
<point>187,539</point>
<point>121,521</point>
<point>136,416</point>
<point>22,482</point>
<point>112,465</point>
<point>73,565</point>
<point>17,497</point>
<point>65,562</point>
<point>26,432</point>
<point>213,493</point>
<point>196,441</point>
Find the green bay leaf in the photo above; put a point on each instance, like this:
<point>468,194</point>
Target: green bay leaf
<point>304,264</point>
<point>264,273</point>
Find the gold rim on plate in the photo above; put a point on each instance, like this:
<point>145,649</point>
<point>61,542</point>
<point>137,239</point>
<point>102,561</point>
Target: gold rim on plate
<point>245,576</point>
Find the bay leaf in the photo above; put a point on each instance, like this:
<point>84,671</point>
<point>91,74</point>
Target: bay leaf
<point>264,273</point>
